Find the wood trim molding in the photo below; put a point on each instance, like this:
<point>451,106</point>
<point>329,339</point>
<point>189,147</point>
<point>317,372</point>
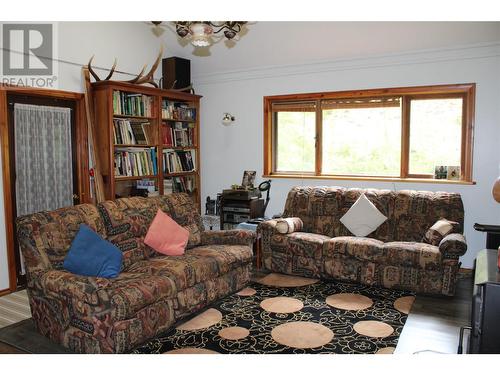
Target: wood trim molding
<point>363,178</point>
<point>7,191</point>
<point>462,90</point>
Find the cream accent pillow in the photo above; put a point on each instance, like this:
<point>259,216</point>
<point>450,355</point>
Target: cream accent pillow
<point>363,217</point>
<point>289,225</point>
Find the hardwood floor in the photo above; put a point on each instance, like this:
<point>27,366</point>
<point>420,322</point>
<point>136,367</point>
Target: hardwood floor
<point>434,323</point>
<point>432,326</point>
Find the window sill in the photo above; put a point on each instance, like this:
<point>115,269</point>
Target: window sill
<point>366,178</point>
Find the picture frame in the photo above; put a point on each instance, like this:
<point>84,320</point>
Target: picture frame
<point>248,179</point>
<point>453,172</point>
<point>441,172</point>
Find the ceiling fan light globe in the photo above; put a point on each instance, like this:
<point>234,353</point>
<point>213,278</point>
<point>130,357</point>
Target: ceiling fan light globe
<point>200,41</point>
<point>182,32</point>
<point>229,34</point>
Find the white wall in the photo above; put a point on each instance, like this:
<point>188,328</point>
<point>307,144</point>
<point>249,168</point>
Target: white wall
<point>132,43</point>
<point>227,151</point>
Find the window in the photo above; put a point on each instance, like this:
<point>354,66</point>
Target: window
<point>387,134</point>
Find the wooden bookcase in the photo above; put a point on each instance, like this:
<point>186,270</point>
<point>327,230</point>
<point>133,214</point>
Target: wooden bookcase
<point>119,178</point>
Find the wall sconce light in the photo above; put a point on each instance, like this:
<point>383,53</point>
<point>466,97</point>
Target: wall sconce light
<point>227,119</point>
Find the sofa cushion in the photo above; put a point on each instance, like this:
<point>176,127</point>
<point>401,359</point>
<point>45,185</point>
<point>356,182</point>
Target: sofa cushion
<point>363,217</point>
<point>416,211</point>
<point>126,222</point>
<point>196,265</point>
<point>50,233</point>
<point>413,254</point>
<point>166,236</point>
<point>404,254</point>
<point>91,255</point>
<point>129,293</point>
<point>309,245</point>
<point>359,247</point>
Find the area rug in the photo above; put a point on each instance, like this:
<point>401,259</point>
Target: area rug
<point>287,314</point>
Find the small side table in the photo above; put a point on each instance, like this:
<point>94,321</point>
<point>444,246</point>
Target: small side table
<point>257,249</point>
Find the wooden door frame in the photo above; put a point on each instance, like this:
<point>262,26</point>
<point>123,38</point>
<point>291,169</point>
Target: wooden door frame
<point>81,152</point>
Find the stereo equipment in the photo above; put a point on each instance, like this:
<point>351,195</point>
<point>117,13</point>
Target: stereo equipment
<point>236,209</point>
<point>176,73</point>
<point>235,217</point>
<point>240,194</point>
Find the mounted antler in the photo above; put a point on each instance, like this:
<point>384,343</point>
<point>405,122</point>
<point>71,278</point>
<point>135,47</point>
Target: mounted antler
<point>139,79</point>
<point>148,78</point>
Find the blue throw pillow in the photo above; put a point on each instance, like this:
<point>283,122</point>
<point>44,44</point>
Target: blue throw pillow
<point>91,255</point>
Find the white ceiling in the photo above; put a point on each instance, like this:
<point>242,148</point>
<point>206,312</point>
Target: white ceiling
<point>286,43</point>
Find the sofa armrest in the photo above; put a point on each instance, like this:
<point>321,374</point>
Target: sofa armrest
<point>228,237</point>
<point>59,282</point>
<point>453,245</point>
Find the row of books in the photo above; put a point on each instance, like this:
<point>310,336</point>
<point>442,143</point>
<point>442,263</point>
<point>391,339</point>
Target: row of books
<point>179,161</point>
<point>135,162</point>
<point>147,188</point>
<point>177,111</point>
<point>128,132</point>
<point>132,104</point>
<point>181,184</point>
<point>177,135</point>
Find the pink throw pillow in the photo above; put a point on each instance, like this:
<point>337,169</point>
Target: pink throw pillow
<point>166,236</point>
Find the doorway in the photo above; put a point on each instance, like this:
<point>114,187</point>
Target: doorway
<point>44,160</point>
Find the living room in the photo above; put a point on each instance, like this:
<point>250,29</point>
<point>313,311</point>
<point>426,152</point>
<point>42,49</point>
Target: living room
<point>324,127</point>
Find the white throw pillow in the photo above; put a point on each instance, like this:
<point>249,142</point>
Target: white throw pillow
<point>363,217</point>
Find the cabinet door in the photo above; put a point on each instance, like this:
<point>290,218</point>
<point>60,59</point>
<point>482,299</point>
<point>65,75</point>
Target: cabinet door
<point>490,327</point>
<point>476,320</point>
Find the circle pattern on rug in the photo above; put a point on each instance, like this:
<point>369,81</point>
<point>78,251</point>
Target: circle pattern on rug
<point>204,320</point>
<point>246,292</point>
<point>302,335</point>
<point>403,304</point>
<point>388,350</point>
<point>349,301</point>
<point>234,333</point>
<point>282,305</point>
<point>189,350</point>
<point>286,281</point>
<point>373,328</point>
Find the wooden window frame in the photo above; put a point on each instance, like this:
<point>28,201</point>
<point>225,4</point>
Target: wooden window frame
<point>466,91</point>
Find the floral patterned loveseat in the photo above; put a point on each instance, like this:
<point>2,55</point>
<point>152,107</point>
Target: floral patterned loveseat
<point>393,256</point>
<point>99,315</point>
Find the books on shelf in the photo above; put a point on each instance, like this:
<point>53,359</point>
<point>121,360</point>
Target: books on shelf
<point>180,184</point>
<point>175,161</point>
<point>149,186</point>
<point>129,104</point>
<point>130,132</point>
<point>135,162</point>
<point>177,111</point>
<point>178,134</point>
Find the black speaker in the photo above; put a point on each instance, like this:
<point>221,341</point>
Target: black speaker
<point>176,72</point>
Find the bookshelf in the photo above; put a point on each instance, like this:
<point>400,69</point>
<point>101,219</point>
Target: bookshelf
<point>147,140</point>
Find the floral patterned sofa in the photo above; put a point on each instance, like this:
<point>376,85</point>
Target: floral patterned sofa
<point>98,315</point>
<point>393,256</point>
